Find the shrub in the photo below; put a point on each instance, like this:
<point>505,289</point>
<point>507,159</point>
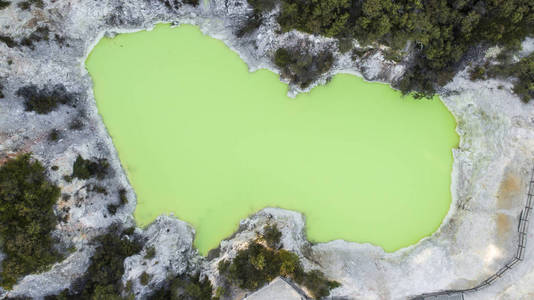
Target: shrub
<point>85,168</point>
<point>150,253</point>
<point>44,100</point>
<point>272,236</point>
<point>27,218</point>
<point>27,4</point>
<point>185,288</point>
<point>54,135</point>
<point>144,279</point>
<point>103,277</point>
<point>257,265</point>
<point>4,4</point>
<point>122,197</point>
<point>40,34</point>
<point>8,41</point>
<point>442,32</point>
<point>302,68</point>
<point>522,72</point>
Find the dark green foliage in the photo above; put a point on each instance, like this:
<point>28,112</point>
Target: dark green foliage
<point>76,124</point>
<point>316,283</point>
<point>27,4</point>
<point>191,2</point>
<point>176,4</point>
<point>112,209</point>
<point>345,45</point>
<point>522,71</point>
<point>98,189</point>
<point>255,20</point>
<point>185,288</point>
<point>122,197</point>
<point>26,219</point>
<point>478,73</point>
<point>272,236</point>
<point>54,135</point>
<point>256,265</point>
<point>45,100</point>
<point>144,279</point>
<point>441,31</point>
<point>103,277</point>
<point>4,4</point>
<point>150,253</point>
<point>1,92</point>
<point>85,168</point>
<point>40,34</point>
<point>302,67</point>
<point>8,41</point>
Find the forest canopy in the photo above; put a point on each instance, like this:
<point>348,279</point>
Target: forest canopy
<point>441,32</point>
<point>27,218</point>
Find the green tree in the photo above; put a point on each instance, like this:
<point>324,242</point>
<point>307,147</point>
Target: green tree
<point>27,219</point>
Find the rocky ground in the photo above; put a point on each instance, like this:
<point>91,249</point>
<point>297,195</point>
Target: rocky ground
<point>492,164</point>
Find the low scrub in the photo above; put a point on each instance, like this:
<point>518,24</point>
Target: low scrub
<point>27,219</point>
<point>44,100</point>
<point>257,265</point>
<point>301,67</point>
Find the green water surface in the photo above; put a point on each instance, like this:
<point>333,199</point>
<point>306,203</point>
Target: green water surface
<point>201,137</point>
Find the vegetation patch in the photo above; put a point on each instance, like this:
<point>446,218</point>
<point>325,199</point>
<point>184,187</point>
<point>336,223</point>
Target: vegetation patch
<point>522,72</point>
<point>185,288</point>
<point>257,265</point>
<point>4,4</point>
<point>103,277</point>
<point>176,4</point>
<point>300,67</point>
<point>10,42</point>
<point>27,219</point>
<point>85,168</point>
<point>27,4</point>
<point>255,19</point>
<point>45,100</point>
<point>441,32</point>
<point>40,34</point>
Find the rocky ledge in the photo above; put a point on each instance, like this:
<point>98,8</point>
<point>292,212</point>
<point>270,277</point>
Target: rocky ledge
<point>492,165</point>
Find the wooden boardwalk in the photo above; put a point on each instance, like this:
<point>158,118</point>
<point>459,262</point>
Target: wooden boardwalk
<point>522,229</point>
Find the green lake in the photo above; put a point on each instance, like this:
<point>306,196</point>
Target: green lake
<point>201,137</point>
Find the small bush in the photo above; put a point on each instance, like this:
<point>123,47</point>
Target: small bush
<point>44,100</point>
<point>40,34</point>
<point>27,218</point>
<point>122,197</point>
<point>112,209</point>
<point>478,73</point>
<point>4,4</point>
<point>144,279</point>
<point>54,135</point>
<point>185,288</point>
<point>257,265</point>
<point>272,236</point>
<point>150,253</point>
<point>27,4</point>
<point>8,41</point>
<point>103,277</point>
<point>302,68</point>
<point>85,169</point>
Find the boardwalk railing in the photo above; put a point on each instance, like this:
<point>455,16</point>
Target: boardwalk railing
<point>522,229</point>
